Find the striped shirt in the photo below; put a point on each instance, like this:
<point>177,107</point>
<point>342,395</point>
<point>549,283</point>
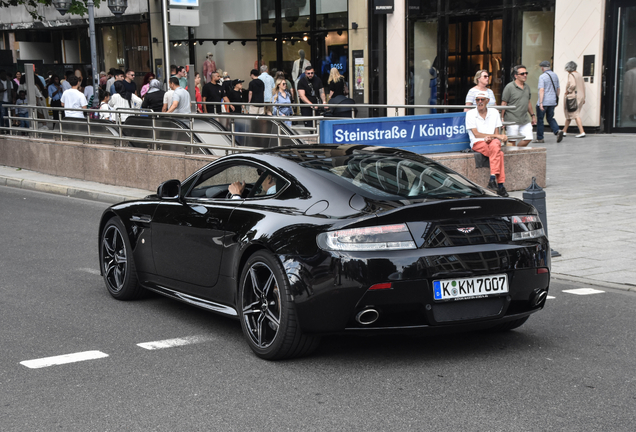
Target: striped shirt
<point>550,96</point>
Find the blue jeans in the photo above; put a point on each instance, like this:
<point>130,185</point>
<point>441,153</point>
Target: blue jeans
<point>24,123</point>
<point>549,113</point>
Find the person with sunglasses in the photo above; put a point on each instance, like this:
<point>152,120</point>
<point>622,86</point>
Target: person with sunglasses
<point>482,79</point>
<point>282,97</point>
<point>310,89</point>
<point>483,125</point>
<point>517,93</point>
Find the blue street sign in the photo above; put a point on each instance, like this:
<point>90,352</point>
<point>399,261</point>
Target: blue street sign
<point>432,133</point>
<point>189,3</point>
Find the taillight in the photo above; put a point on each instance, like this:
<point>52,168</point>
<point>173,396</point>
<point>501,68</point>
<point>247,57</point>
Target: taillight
<point>526,227</point>
<point>386,237</point>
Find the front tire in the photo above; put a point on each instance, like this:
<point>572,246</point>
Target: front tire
<point>117,263</point>
<point>267,312</point>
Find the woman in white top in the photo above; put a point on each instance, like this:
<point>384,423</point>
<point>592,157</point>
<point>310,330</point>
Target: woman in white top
<point>482,79</point>
<point>106,112</point>
<point>124,100</point>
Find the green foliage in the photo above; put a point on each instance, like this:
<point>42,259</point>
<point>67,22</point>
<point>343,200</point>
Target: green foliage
<point>78,7</point>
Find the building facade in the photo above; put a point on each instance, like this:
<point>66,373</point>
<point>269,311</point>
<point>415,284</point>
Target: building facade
<point>403,52</point>
<point>61,42</point>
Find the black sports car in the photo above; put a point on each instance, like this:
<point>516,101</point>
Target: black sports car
<point>327,239</point>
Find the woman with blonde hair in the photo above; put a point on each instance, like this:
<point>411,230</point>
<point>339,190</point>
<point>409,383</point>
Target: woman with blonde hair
<point>337,84</point>
<point>281,95</point>
<point>574,90</point>
<point>482,78</point>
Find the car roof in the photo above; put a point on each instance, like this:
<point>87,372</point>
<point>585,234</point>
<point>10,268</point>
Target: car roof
<point>330,150</point>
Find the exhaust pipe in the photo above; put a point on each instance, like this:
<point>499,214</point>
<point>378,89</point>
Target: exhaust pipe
<point>539,297</point>
<point>367,316</point>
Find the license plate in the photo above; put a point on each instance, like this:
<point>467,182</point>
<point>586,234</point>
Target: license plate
<point>468,288</point>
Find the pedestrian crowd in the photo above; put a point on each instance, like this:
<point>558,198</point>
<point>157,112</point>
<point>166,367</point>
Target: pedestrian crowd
<point>485,124</point>
<point>215,92</point>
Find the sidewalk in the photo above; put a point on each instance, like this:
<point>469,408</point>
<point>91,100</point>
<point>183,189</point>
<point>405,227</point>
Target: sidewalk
<point>590,193</point>
<point>591,207</point>
<point>24,179</point>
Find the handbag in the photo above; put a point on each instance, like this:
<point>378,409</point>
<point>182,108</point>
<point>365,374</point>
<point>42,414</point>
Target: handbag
<point>571,104</point>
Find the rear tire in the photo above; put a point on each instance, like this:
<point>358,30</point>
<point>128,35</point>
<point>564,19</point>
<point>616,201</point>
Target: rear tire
<point>267,311</point>
<point>117,263</point>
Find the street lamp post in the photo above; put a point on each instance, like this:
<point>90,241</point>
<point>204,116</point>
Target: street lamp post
<point>117,7</point>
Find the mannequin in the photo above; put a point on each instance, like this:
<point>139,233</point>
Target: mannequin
<point>299,66</point>
<point>209,66</point>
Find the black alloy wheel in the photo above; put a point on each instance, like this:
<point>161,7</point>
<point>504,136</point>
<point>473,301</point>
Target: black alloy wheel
<point>268,315</point>
<point>118,266</point>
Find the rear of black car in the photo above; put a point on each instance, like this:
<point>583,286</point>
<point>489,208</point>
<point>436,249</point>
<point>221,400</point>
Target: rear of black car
<point>437,252</point>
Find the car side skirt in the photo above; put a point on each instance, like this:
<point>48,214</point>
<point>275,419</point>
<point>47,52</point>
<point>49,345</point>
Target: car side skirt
<point>195,301</point>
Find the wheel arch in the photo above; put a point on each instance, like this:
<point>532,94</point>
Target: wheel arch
<point>247,253</point>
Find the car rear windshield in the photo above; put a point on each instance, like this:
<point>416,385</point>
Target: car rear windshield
<point>404,175</point>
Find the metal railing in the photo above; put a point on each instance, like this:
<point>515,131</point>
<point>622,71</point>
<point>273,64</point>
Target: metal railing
<point>92,129</point>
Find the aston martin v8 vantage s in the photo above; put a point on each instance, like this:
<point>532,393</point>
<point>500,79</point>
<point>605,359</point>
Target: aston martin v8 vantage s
<point>298,242</point>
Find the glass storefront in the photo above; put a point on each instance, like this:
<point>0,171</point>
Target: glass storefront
<point>448,42</point>
<point>473,45</point>
<point>316,28</point>
<point>126,47</point>
<point>625,73</point>
<point>536,45</point>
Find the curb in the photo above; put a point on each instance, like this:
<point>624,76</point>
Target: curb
<point>600,284</point>
<point>71,192</point>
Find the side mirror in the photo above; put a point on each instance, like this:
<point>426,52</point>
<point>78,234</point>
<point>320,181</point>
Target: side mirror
<point>169,190</point>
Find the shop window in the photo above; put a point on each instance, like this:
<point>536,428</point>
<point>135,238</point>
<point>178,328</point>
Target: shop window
<point>626,73</point>
<point>474,45</point>
<point>423,73</point>
<point>536,46</point>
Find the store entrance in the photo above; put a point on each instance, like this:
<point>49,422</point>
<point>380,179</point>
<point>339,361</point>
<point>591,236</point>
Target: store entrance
<point>620,104</point>
<point>473,45</point>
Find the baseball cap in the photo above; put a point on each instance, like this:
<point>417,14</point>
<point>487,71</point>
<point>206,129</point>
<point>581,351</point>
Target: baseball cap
<point>237,81</point>
<point>482,94</point>
<point>544,63</point>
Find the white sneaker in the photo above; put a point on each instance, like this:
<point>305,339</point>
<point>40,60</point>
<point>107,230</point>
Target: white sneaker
<point>580,135</point>
<point>565,133</point>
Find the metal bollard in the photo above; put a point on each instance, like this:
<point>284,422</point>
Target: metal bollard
<point>535,195</point>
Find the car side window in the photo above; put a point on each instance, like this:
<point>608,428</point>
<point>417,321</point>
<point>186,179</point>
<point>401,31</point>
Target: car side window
<point>215,183</point>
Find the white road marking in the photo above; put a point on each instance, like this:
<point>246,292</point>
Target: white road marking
<point>169,343</point>
<point>583,291</point>
<point>63,359</point>
<point>550,297</point>
<point>90,270</point>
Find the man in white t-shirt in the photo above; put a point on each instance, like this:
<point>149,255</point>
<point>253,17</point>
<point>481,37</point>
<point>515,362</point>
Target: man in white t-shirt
<point>167,100</point>
<point>73,98</point>
<point>482,124</point>
<point>180,98</point>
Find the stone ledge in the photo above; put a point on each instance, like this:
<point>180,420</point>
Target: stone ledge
<point>146,169</point>
<point>521,163</point>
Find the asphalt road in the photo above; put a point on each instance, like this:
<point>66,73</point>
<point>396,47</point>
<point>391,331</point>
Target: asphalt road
<point>570,367</point>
